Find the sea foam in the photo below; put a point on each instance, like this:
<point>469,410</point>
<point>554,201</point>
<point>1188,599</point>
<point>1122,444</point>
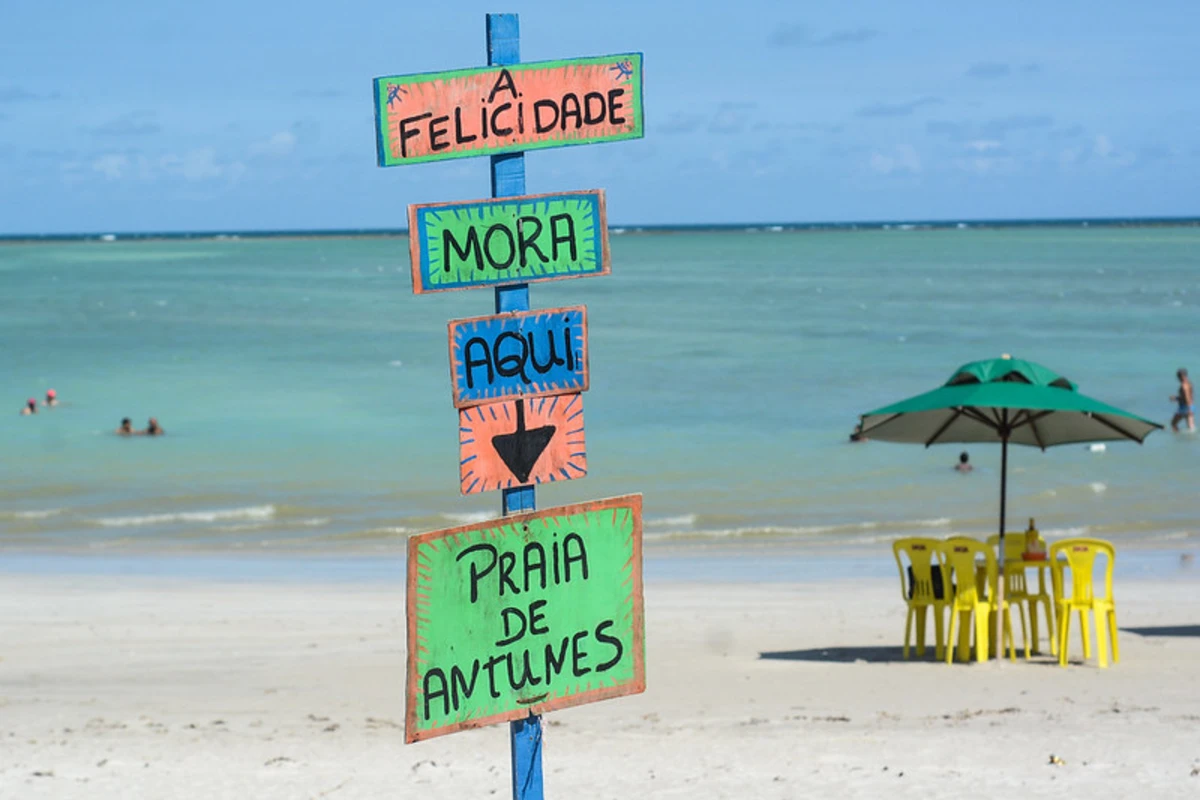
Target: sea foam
<point>257,513</point>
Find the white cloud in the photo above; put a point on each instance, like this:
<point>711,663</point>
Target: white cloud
<point>200,164</point>
<point>194,165</point>
<point>1108,153</point>
<point>986,165</point>
<point>983,145</point>
<point>278,146</point>
<point>902,158</point>
<point>111,165</point>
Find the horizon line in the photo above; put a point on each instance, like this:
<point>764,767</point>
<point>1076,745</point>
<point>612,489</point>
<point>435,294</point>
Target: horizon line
<point>999,222</point>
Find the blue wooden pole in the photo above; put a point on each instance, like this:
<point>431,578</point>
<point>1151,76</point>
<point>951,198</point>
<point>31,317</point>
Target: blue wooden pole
<point>508,179</point>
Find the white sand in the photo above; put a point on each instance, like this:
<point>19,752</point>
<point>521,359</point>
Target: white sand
<point>144,688</point>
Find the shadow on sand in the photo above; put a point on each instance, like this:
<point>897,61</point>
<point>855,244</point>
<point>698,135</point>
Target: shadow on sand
<point>1165,630</point>
<point>847,655</point>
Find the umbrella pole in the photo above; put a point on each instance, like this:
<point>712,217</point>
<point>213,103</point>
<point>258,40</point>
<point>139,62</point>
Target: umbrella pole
<point>1000,548</point>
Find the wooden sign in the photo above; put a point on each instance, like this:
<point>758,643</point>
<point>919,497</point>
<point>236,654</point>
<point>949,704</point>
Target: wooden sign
<point>520,442</point>
<point>503,109</point>
<point>524,354</point>
<point>524,614</point>
<point>540,237</point>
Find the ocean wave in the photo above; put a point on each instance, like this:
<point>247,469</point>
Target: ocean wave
<point>879,530</point>
<point>1065,533</point>
<point>312,522</point>
<point>383,532</point>
<point>467,517</point>
<point>748,532</point>
<point>688,520</point>
<point>248,513</point>
<point>1172,536</point>
<point>42,513</point>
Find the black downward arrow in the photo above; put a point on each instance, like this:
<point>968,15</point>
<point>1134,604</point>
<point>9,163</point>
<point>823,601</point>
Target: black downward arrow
<point>521,449</point>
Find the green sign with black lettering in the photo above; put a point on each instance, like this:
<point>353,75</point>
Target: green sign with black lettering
<point>524,614</point>
<point>526,239</point>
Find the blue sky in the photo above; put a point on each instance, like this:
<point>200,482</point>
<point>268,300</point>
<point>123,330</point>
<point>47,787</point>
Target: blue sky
<point>128,116</point>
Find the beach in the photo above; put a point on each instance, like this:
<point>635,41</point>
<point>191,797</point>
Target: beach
<point>284,684</point>
<point>322,480</point>
<point>221,611</point>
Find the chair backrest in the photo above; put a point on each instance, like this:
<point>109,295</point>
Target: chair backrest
<point>962,557</point>
<point>921,578</point>
<point>1014,544</point>
<point>1080,558</point>
<point>1014,550</point>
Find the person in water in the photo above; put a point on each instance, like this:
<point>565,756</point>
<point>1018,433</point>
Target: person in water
<point>153,428</point>
<point>51,398</point>
<point>30,407</point>
<point>126,428</point>
<point>1186,402</point>
<point>964,462</point>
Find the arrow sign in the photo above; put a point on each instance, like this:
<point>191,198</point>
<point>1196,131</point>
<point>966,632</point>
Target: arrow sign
<point>521,449</point>
<point>521,442</point>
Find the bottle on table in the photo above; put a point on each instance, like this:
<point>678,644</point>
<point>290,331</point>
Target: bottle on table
<point>1034,548</point>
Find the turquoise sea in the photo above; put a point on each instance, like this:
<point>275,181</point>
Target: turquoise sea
<point>306,397</point>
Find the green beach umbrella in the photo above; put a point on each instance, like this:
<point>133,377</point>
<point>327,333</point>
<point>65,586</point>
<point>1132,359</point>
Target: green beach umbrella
<point>1004,400</point>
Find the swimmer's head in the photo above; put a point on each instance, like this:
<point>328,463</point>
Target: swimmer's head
<point>51,394</point>
<point>1182,373</point>
<point>32,403</point>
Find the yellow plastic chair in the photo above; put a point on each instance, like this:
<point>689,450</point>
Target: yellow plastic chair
<point>980,568</point>
<point>922,585</point>
<point>969,598</point>
<point>1079,557</point>
<point>1016,590</point>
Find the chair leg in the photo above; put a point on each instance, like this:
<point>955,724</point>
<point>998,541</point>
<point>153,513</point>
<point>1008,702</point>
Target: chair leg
<point>921,614</point>
<point>1112,632</point>
<point>994,648</point>
<point>1008,635</point>
<point>1063,631</point>
<point>908,621</point>
<point>981,633</point>
<point>964,636</point>
<point>1051,624</point>
<point>1033,626</point>
<point>1025,629</point>
<point>950,647</point>
<point>1101,643</point>
<point>1086,634</point>
<point>939,624</point>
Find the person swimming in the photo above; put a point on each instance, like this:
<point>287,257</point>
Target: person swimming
<point>964,462</point>
<point>126,428</point>
<point>51,398</point>
<point>153,428</point>
<point>30,407</point>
